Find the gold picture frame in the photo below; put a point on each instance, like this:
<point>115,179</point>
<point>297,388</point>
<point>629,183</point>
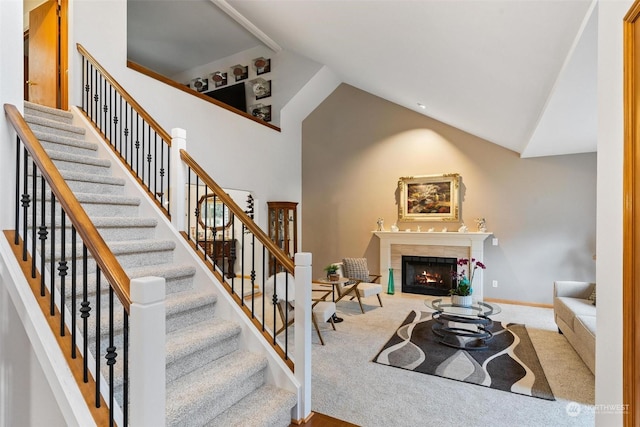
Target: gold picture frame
<point>429,197</point>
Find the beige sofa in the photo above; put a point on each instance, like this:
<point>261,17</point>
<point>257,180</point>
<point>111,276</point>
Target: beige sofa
<point>575,315</point>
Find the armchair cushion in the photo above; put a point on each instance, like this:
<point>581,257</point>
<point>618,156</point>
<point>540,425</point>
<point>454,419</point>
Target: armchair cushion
<point>356,268</point>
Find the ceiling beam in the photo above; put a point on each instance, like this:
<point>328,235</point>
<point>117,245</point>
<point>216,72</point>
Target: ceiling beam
<point>248,25</point>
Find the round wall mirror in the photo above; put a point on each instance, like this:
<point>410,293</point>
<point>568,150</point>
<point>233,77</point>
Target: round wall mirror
<point>213,214</point>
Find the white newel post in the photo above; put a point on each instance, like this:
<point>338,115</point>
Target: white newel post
<point>177,185</point>
<point>147,358</point>
<point>302,331</point>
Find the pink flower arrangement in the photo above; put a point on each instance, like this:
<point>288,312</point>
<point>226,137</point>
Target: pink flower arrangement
<point>464,280</point>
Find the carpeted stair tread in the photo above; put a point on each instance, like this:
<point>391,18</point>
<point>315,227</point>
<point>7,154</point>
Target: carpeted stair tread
<point>107,199</point>
<point>170,272</point>
<point>199,396</point>
<point>65,140</point>
<point>167,271</point>
<point>87,177</point>
<point>103,199</point>
<point>43,124</point>
<point>32,109</point>
<point>252,410</point>
<point>112,222</point>
<point>189,300</point>
<point>194,346</point>
<point>136,246</point>
<point>78,158</point>
<point>128,253</point>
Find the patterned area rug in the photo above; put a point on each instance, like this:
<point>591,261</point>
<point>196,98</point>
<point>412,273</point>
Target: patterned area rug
<point>510,362</point>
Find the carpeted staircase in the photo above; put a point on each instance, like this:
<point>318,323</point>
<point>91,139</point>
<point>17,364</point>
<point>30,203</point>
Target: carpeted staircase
<point>210,380</point>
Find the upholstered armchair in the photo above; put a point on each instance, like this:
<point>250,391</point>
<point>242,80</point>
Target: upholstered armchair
<point>361,282</point>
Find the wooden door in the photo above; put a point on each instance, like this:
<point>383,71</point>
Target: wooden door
<point>44,54</point>
<point>631,220</point>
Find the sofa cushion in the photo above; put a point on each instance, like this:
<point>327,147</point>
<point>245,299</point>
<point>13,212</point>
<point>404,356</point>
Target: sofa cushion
<point>587,329</point>
<point>568,308</point>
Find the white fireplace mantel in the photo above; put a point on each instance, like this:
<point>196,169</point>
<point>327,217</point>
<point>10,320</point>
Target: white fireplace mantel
<point>474,241</point>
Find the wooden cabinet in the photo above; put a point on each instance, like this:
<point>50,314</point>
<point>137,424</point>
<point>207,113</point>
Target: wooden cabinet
<point>283,228</point>
<point>221,251</point>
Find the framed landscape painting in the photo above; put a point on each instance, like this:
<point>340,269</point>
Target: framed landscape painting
<point>429,198</point>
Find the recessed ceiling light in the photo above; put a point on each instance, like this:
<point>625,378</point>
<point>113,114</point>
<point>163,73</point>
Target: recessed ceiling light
<point>424,107</point>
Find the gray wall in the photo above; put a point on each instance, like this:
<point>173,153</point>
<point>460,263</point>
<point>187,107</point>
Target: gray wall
<point>542,210</point>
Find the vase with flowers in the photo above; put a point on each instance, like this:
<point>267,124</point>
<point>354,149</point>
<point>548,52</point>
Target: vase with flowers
<point>461,293</point>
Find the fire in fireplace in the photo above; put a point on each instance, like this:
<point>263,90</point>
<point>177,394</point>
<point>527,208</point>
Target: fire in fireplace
<point>428,275</point>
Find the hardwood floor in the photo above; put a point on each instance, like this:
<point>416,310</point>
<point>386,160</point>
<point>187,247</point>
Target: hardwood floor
<point>321,420</point>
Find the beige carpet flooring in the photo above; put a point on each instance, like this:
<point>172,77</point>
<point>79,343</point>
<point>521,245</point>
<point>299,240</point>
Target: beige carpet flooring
<point>347,385</point>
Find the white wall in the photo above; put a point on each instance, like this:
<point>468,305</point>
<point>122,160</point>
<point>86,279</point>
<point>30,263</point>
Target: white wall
<point>25,396</point>
<point>609,209</point>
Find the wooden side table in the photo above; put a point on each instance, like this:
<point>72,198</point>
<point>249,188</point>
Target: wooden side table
<point>220,250</point>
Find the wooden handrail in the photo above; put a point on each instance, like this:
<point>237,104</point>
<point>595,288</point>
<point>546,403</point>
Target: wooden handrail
<point>238,212</point>
<point>91,238</point>
<point>150,73</point>
<point>143,114</point>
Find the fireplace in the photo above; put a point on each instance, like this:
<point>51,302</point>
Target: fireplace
<point>428,275</point>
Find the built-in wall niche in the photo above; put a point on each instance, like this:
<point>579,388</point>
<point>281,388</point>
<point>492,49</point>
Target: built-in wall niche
<point>241,87</point>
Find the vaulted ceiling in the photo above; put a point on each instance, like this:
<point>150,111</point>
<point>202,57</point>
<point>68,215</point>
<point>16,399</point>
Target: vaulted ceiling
<point>520,74</point>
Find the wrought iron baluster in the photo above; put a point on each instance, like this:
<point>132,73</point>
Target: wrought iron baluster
<point>16,239</point>
<point>97,357</point>
<point>85,85</point>
<point>96,98</point>
<point>52,262</point>
<point>286,315</point>
<point>118,120</point>
<point>111,355</point>
<point>264,294</point>
<point>105,107</point>
<point>62,269</point>
<point>189,203</point>
<point>125,368</point>
<point>85,312</point>
<point>111,116</point>
<point>166,196</point>
<point>127,148</point>
<point>42,233</point>
<point>155,166</point>
<point>25,201</point>
<point>137,144</point>
<point>74,280</point>
<point>34,189</point>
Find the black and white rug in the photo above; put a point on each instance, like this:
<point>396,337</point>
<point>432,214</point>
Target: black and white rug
<point>510,362</point>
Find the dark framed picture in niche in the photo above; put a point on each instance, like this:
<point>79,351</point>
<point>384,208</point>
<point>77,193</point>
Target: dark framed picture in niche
<point>262,65</point>
<point>240,72</point>
<point>261,111</point>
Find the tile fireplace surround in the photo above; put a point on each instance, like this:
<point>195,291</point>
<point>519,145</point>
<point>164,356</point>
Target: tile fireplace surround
<point>446,244</point>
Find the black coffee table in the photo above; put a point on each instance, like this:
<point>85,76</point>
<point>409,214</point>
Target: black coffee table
<point>466,328</point>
